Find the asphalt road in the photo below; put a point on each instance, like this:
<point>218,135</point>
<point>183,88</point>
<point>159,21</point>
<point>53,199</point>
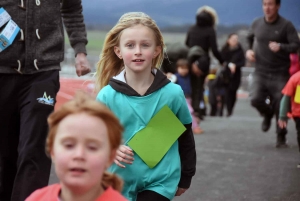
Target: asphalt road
<point>237,161</point>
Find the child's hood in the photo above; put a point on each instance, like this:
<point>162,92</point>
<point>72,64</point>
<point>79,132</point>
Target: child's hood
<point>119,84</point>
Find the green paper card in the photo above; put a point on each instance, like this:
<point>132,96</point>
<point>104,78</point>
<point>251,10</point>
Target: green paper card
<point>153,142</point>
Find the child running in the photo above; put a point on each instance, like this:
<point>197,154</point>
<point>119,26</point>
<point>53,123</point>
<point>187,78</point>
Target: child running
<point>290,105</point>
<point>133,87</point>
<point>83,139</point>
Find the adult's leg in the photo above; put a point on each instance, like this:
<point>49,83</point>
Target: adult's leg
<point>222,103</point>
<point>229,101</point>
<point>37,100</point>
<point>233,87</point>
<point>9,132</point>
<point>212,98</point>
<point>258,94</point>
<point>150,196</point>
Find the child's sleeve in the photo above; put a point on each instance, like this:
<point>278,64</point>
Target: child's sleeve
<point>186,143</point>
<point>288,91</point>
<point>101,97</point>
<point>187,154</point>
<point>285,107</point>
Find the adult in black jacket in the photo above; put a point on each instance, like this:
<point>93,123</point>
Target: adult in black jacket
<point>202,34</point>
<point>233,54</point>
<point>29,82</point>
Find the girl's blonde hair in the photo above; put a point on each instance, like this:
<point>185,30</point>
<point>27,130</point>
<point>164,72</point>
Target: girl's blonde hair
<point>82,103</point>
<point>109,64</point>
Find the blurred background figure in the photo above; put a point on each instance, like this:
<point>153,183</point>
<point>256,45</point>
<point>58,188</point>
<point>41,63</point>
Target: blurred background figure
<point>271,40</point>
<point>184,80</point>
<point>212,94</point>
<point>202,34</point>
<point>233,53</point>
<point>29,82</point>
<point>218,83</point>
<point>199,64</point>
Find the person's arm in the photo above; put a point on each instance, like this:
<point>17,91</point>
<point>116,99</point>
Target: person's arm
<point>187,154</point>
<point>285,107</point>
<point>239,58</point>
<point>214,46</point>
<point>250,38</point>
<point>71,11</point>
<point>293,40</point>
<point>250,55</point>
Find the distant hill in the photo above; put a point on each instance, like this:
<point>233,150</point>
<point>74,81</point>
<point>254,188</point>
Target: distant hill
<point>174,13</point>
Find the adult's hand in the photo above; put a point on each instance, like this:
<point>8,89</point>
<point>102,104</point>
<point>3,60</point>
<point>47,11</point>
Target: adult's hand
<point>82,65</point>
<point>125,155</point>
<point>180,191</point>
<point>196,70</point>
<point>274,46</point>
<point>250,55</point>
<point>232,67</point>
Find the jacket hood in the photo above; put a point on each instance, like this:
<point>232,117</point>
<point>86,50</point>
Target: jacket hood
<point>119,84</point>
<point>206,16</point>
<point>204,19</point>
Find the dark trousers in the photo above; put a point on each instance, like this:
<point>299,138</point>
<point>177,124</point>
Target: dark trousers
<point>264,86</point>
<point>212,98</point>
<point>150,196</point>
<point>231,93</point>
<point>297,122</point>
<point>230,100</point>
<point>25,103</point>
<point>198,94</point>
